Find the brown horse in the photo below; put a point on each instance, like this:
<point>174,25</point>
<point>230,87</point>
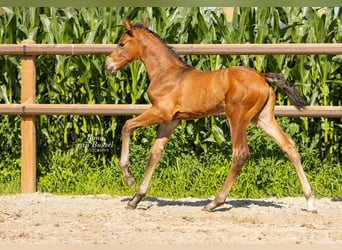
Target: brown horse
<point>177,92</point>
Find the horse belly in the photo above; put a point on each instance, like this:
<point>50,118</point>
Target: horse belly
<point>195,114</point>
<point>201,95</point>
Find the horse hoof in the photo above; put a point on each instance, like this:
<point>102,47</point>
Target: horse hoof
<point>313,210</point>
<point>130,182</point>
<point>207,209</point>
<point>311,205</point>
<point>130,206</point>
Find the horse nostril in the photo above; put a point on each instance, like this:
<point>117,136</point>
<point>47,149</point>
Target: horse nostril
<point>110,69</point>
<point>110,66</point>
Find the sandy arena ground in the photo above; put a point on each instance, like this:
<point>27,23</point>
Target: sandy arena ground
<point>50,219</point>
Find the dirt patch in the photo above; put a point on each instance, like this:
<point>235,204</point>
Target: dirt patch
<point>51,219</point>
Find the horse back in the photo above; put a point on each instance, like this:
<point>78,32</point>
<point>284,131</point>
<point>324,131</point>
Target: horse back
<point>207,93</point>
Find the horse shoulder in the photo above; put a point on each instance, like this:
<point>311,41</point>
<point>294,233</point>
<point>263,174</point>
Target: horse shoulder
<point>166,84</point>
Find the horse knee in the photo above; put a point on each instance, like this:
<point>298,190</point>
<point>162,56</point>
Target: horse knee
<point>155,153</point>
<point>240,157</point>
<point>126,129</point>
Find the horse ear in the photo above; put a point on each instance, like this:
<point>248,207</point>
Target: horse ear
<point>146,23</point>
<point>127,23</point>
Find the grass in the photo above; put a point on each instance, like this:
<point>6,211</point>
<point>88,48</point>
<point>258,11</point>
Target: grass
<point>183,173</point>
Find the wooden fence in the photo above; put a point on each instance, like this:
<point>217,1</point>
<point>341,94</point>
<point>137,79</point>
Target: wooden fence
<point>28,109</point>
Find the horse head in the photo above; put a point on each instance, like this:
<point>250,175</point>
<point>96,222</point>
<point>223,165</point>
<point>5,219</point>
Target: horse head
<point>129,48</point>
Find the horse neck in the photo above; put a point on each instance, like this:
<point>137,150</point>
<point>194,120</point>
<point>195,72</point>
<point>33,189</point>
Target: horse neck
<point>157,57</point>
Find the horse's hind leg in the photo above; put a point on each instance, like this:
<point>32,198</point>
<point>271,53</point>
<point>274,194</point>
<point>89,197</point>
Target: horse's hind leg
<point>267,123</point>
<point>164,132</point>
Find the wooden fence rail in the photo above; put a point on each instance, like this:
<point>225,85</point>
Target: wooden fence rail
<point>184,49</point>
<point>137,109</point>
<point>28,109</point>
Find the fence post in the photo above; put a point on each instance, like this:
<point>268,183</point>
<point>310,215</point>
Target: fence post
<point>28,128</point>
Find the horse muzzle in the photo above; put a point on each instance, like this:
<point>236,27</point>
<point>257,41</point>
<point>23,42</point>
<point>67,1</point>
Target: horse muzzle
<point>110,66</point>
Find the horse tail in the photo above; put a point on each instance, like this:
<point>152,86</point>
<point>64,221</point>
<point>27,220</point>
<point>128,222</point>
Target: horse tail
<point>288,88</point>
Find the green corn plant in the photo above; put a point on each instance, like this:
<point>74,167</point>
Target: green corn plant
<point>82,79</point>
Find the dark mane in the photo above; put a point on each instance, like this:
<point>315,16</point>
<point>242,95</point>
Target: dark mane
<point>170,49</point>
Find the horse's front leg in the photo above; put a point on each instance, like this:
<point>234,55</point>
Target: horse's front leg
<point>124,162</point>
<point>147,118</point>
<point>164,132</point>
